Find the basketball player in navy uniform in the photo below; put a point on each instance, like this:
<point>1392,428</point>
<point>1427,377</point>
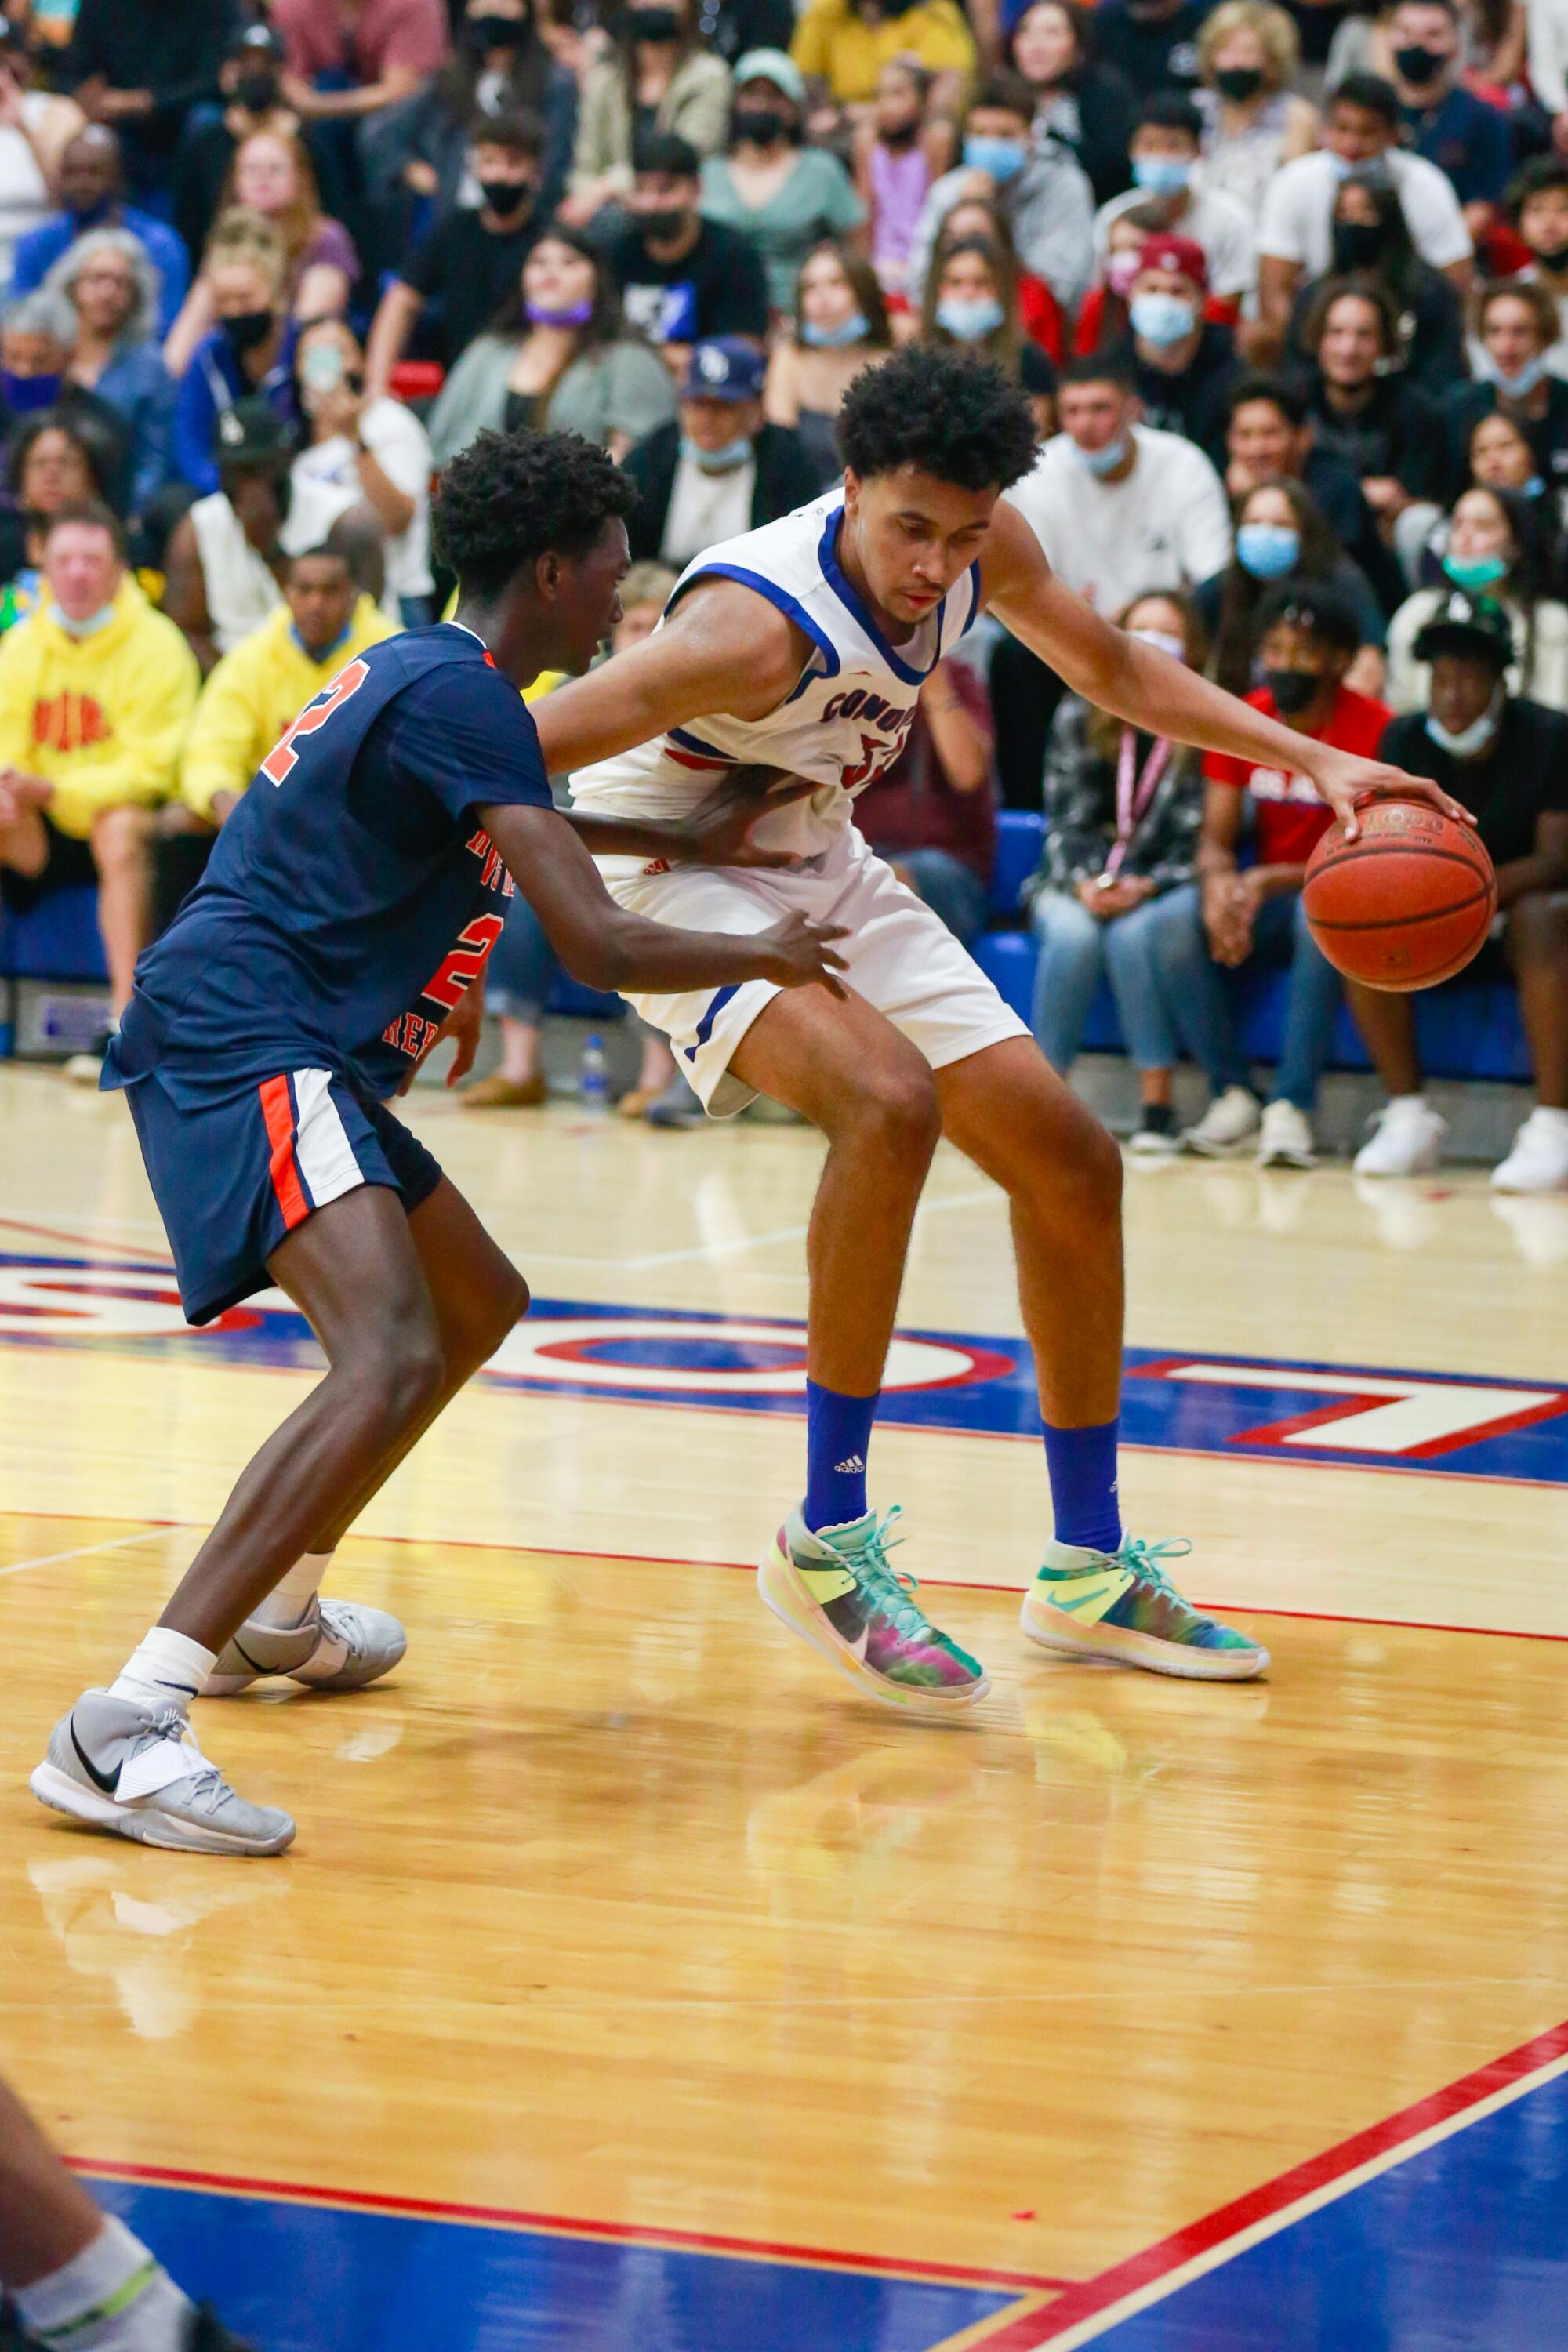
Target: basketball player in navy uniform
<point>803,645</point>
<point>346,913</point>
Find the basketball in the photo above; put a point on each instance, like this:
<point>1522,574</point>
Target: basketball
<point>1406,905</point>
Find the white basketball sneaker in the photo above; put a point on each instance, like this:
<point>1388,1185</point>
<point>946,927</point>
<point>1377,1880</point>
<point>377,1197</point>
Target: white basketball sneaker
<point>1407,1139</point>
<point>136,1769</point>
<point>339,1645</point>
<point>1539,1161</point>
<point>1229,1122</point>
<point>1285,1138</point>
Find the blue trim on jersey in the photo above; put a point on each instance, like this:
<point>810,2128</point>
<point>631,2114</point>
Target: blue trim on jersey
<point>785,603</point>
<point>705,1026</point>
<point>826,555</point>
<point>690,743</point>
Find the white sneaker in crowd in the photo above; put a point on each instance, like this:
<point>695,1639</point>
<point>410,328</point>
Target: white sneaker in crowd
<point>1230,1120</point>
<point>1285,1138</point>
<point>1407,1139</point>
<point>1539,1161</point>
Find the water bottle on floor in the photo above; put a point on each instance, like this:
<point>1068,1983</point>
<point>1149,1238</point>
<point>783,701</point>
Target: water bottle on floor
<point>593,1078</point>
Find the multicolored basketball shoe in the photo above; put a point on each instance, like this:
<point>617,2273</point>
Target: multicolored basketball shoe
<point>1122,1606</point>
<point>836,1590</point>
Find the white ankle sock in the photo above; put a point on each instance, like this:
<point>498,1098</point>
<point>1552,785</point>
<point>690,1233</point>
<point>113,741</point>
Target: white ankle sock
<point>168,1667</point>
<point>113,2297</point>
<point>288,1603</point>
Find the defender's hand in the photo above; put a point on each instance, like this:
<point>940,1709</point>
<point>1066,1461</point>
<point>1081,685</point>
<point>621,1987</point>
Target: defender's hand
<point>798,953</point>
<point>718,831</point>
<point>465,1025</point>
<point>1344,781</point>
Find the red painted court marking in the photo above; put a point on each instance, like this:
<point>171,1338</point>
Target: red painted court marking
<point>104,1249</point>
<point>1097,2297</point>
<point>429,2209</point>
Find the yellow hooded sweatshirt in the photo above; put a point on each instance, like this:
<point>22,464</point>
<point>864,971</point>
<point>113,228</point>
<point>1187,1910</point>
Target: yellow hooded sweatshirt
<point>253,693</point>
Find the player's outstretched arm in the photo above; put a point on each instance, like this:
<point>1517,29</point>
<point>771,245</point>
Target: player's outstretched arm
<point>1147,687</point>
<point>723,648</point>
<point>603,947</point>
<point>717,833</point>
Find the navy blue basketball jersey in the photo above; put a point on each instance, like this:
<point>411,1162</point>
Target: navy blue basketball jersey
<point>352,896</point>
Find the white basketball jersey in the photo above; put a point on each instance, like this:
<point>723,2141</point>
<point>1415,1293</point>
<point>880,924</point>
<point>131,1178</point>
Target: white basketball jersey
<point>846,720</point>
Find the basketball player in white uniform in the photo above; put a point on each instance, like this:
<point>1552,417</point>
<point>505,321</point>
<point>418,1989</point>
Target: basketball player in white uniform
<point>803,646</point>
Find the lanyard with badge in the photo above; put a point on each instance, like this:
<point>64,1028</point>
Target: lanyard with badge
<point>1133,793</point>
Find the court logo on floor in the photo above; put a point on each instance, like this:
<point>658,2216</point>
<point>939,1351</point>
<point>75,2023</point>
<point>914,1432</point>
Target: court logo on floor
<point>979,1385</point>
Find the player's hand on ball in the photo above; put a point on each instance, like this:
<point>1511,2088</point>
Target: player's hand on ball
<point>718,831</point>
<point>800,951</point>
<point>1344,780</point>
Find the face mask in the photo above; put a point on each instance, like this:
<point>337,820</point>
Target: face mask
<point>79,629</point>
<point>1162,175</point>
<point>249,329</point>
<point>1553,258</point>
<point>1162,318</point>
<point>1121,270</point>
<point>1519,386</point>
<point>1419,66</point>
<point>496,32</point>
<point>1294,690</point>
<point>717,461</point>
<point>1001,157</point>
<point>1357,244</point>
<point>855,329</point>
<point>574,314</point>
<point>1476,572</point>
<point>1468,741</point>
<point>1339,168</point>
<point>655,24</point>
<point>258,92</point>
<point>664,225</point>
<point>1268,549</point>
<point>322,367</point>
<point>24,394</point>
<point>1163,641</point>
<point>901,135</point>
<point>507,196</point>
<point>1102,461</point>
<point>970,320</point>
<point>1534,488</point>
<point>765,126</point>
<point>1239,83</point>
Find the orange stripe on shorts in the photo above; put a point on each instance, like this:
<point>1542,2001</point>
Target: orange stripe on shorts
<point>279,1112</point>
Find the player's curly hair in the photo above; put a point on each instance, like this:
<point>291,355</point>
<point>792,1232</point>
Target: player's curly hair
<point>954,417</point>
<point>509,497</point>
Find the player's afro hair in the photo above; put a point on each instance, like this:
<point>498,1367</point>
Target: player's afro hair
<point>509,497</point>
<point>954,417</point>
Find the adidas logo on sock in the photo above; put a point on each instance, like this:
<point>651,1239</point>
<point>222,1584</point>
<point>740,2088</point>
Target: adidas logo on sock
<point>849,1468</point>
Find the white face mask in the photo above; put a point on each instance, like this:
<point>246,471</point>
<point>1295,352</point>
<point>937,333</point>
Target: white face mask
<point>88,629</point>
<point>1468,741</point>
<point>1165,640</point>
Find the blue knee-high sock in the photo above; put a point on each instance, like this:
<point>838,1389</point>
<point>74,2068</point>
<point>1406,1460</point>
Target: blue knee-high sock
<point>837,1440</point>
<point>1083,1485</point>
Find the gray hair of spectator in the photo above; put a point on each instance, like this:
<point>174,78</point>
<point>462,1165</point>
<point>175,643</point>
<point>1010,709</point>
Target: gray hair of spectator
<point>141,325</point>
<point>1535,296</point>
<point>45,311</point>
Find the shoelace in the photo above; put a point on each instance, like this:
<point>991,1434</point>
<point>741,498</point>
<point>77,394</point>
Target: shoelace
<point>1144,1558</point>
<point>206,1780</point>
<point>888,1587</point>
<point>339,1625</point>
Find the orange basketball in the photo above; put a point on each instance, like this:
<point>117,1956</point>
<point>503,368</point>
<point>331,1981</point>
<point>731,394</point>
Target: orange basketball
<point>1406,905</point>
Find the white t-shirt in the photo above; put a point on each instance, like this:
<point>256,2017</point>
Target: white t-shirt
<point>706,510</point>
<point>1166,525</point>
<point>327,483</point>
<point>1298,223</point>
<point>1212,219</point>
<point>25,200</point>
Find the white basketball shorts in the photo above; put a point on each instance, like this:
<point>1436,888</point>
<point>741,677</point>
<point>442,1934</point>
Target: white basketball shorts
<point>900,958</point>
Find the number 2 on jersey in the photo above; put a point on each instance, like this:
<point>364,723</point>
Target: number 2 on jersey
<point>282,756</point>
<point>463,966</point>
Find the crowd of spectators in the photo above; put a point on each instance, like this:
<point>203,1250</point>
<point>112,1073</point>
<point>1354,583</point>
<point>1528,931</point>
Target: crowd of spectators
<point>1284,283</point>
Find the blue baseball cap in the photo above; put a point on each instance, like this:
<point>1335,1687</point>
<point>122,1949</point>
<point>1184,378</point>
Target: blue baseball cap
<point>725,368</point>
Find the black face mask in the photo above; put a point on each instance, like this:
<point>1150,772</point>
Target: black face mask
<point>655,24</point>
<point>1553,258</point>
<point>507,196</point>
<point>664,225</point>
<point>249,329</point>
<point>1239,83</point>
<point>1294,690</point>
<point>1420,66</point>
<point>902,134</point>
<point>765,125</point>
<point>1358,244</point>
<point>482,33</point>
<point>258,92</point>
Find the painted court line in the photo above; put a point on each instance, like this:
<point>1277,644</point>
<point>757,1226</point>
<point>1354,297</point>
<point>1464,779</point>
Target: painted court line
<point>502,2217</point>
<point>85,1552</point>
<point>1085,2312</point>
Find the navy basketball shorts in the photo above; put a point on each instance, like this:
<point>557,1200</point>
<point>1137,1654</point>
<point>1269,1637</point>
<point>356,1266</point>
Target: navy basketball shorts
<point>234,1178</point>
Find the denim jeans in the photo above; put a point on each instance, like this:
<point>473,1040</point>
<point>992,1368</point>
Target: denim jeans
<point>1165,988</point>
<point>1279,935</point>
<point>950,888</point>
<point>521,967</point>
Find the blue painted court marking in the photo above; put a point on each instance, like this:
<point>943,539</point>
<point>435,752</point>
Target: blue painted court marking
<point>1255,1408</point>
<point>307,2278</point>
